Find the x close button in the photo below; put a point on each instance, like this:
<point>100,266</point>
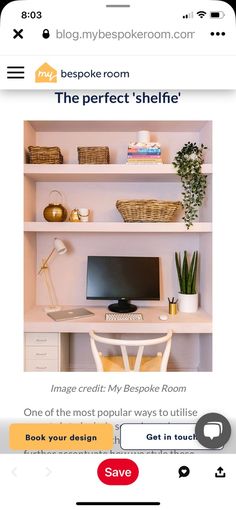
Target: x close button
<point>18,33</point>
<point>118,472</point>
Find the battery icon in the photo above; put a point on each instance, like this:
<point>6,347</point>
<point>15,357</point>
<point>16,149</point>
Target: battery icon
<point>217,14</point>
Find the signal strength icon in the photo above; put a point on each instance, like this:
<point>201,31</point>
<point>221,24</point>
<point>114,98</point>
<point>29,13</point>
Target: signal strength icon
<point>187,16</point>
<point>201,14</point>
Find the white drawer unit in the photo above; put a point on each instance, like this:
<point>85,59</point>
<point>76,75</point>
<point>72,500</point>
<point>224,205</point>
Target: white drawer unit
<point>33,365</point>
<point>32,352</point>
<point>41,339</point>
<point>46,352</point>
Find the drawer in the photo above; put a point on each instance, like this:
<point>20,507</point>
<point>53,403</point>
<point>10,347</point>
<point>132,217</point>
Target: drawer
<point>42,338</point>
<point>41,365</point>
<point>40,352</point>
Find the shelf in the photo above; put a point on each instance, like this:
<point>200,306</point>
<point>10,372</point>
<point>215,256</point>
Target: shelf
<point>115,227</point>
<point>36,321</point>
<point>108,173</point>
<point>117,126</point>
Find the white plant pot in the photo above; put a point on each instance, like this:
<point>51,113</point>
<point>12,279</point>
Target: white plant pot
<point>188,303</point>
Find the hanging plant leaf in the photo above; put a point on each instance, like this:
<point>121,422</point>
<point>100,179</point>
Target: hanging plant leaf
<point>188,162</point>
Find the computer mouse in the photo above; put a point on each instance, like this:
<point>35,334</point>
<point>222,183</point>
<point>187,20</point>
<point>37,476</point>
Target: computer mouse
<point>163,317</point>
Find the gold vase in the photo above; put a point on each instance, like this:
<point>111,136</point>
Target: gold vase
<point>55,211</point>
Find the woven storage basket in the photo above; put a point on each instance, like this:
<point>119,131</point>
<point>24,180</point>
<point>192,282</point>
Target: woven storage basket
<point>93,155</point>
<point>45,155</point>
<point>147,210</point>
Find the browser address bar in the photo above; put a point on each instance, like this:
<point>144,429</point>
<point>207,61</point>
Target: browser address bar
<point>120,35</point>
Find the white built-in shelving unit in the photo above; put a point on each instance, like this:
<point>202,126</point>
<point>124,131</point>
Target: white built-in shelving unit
<point>97,187</point>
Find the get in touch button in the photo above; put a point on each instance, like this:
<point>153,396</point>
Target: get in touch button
<point>118,471</point>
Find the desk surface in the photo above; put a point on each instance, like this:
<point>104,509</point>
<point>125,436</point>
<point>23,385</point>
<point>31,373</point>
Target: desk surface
<point>36,321</point>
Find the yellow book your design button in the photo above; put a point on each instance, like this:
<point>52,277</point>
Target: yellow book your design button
<point>49,436</point>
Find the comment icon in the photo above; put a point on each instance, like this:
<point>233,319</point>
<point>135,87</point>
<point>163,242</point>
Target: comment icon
<point>212,429</point>
<point>184,471</point>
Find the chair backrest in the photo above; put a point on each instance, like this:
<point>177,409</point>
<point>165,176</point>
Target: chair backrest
<point>123,343</point>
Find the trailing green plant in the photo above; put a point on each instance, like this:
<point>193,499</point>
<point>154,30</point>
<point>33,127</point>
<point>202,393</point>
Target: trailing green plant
<point>187,272</point>
<point>188,162</point>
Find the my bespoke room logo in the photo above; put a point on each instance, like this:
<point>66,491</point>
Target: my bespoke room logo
<point>46,74</point>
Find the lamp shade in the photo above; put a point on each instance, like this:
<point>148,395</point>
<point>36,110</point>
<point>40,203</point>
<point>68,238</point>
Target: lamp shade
<point>59,246</point>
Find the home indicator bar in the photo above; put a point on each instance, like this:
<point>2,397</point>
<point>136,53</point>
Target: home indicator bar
<point>128,503</point>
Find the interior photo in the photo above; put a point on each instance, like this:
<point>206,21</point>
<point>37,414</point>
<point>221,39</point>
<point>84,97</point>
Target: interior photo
<point>118,246</point>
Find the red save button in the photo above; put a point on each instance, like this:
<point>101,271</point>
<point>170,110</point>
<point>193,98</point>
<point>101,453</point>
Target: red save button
<point>118,471</point>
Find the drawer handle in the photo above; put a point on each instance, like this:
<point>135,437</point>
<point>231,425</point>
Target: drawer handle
<point>41,353</point>
<point>41,339</point>
<point>41,368</point>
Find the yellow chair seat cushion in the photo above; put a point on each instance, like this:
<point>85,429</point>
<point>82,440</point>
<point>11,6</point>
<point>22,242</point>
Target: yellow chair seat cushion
<point>116,364</point>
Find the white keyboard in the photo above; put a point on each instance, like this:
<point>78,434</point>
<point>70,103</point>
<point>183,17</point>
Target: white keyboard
<point>124,317</point>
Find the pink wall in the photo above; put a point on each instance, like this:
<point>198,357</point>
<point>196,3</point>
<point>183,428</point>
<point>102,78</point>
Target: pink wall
<point>116,141</point>
<point>69,271</point>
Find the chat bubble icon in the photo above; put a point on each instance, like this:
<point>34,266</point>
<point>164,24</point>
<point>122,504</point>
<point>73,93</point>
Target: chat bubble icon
<point>213,429</point>
<point>184,471</point>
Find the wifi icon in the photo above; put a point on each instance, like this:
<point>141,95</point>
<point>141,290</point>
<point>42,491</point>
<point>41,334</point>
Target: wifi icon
<point>201,14</point>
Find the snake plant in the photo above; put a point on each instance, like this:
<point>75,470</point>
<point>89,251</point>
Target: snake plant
<point>187,272</point>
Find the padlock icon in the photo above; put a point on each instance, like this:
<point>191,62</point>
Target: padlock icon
<point>46,34</point>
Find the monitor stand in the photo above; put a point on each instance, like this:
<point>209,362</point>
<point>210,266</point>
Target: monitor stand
<point>123,306</point>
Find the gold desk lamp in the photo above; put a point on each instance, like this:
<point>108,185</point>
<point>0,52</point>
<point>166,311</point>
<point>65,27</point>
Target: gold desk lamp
<point>60,249</point>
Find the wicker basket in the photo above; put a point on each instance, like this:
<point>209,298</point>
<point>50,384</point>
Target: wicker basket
<point>45,155</point>
<point>147,210</point>
<point>93,155</point>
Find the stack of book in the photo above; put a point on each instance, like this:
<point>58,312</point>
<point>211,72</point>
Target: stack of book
<point>145,153</point>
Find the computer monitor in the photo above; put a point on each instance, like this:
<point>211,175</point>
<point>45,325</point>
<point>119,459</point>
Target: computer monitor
<point>123,278</point>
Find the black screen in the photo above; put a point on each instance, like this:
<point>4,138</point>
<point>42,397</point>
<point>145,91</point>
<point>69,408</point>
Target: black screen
<point>123,277</point>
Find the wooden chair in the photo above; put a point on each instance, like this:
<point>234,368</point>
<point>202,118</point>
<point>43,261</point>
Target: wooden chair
<point>126,363</point>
